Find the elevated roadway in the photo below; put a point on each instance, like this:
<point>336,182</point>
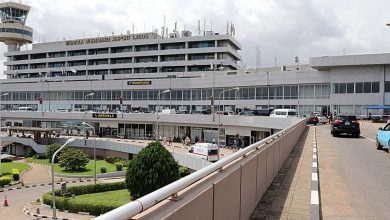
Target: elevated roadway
<point>354,176</point>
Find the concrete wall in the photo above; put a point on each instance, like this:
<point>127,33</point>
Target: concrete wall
<point>234,192</point>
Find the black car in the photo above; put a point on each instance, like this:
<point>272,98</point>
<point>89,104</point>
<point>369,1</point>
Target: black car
<point>345,124</point>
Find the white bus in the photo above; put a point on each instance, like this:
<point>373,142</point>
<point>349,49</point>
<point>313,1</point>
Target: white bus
<point>283,113</point>
<point>205,151</point>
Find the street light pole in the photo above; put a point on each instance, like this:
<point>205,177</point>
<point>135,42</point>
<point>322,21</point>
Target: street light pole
<point>1,147</point>
<point>219,108</point>
<point>94,148</point>
<point>158,108</point>
<point>90,94</point>
<point>52,176</point>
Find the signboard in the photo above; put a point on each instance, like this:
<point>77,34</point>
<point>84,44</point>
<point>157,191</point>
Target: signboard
<point>139,83</point>
<point>104,115</point>
<point>142,36</point>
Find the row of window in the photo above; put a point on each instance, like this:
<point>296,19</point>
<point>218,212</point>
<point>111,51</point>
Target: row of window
<point>244,93</point>
<point>139,48</point>
<point>356,87</point>
<point>14,30</point>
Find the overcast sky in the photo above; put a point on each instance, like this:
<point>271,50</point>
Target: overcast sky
<point>281,28</point>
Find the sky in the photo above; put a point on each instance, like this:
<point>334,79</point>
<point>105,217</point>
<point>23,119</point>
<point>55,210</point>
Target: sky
<point>281,29</point>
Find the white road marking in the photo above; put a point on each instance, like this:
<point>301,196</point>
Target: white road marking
<point>314,177</point>
<point>314,197</point>
<point>368,138</point>
<point>314,164</point>
<point>314,150</point>
<point>314,156</point>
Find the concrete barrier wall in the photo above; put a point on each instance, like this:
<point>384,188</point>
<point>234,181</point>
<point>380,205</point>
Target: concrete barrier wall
<point>234,192</point>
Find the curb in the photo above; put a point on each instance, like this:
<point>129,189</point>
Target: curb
<point>42,184</point>
<point>315,183</point>
<point>31,214</point>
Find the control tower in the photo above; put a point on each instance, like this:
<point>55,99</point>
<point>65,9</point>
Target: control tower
<point>13,31</point>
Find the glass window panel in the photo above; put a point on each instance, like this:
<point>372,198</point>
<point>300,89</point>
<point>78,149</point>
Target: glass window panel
<point>375,87</point>
<point>359,87</point>
<point>350,87</point>
<point>367,87</point>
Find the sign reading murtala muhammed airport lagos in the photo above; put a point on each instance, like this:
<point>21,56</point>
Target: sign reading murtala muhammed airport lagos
<point>95,40</point>
<point>104,115</point>
<point>139,83</point>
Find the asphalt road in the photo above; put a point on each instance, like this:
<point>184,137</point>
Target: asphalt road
<point>18,198</point>
<point>354,176</point>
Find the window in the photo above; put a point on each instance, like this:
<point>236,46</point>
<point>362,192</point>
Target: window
<point>262,93</point>
<point>375,87</point>
<point>350,87</point>
<point>359,87</point>
<point>367,87</point>
<point>387,86</point>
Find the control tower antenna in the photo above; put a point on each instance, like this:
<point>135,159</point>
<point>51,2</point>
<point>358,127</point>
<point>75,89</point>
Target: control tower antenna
<point>15,33</point>
<point>198,27</point>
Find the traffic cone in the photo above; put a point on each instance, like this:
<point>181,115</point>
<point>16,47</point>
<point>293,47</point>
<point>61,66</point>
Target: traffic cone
<point>5,201</point>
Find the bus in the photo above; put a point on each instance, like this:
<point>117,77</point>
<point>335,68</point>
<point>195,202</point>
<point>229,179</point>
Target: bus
<point>283,113</point>
<point>205,151</point>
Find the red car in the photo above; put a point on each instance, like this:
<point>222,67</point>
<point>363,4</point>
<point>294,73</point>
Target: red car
<point>313,120</point>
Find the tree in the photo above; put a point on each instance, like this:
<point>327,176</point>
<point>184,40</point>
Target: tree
<point>51,149</point>
<point>73,159</point>
<point>153,168</point>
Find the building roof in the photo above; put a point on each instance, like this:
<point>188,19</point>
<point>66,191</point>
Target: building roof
<point>34,129</point>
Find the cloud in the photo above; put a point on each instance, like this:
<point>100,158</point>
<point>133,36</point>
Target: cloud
<point>284,29</point>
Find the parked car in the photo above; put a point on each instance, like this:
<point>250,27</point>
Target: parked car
<point>345,124</point>
<point>383,138</point>
<point>313,120</point>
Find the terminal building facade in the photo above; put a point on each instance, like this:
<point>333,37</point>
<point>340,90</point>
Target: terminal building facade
<point>128,73</point>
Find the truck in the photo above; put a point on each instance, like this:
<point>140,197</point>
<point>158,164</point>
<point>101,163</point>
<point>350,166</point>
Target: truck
<point>205,151</point>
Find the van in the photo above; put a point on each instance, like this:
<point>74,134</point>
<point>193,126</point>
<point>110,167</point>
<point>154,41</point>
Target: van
<point>25,109</point>
<point>205,151</point>
<point>283,113</point>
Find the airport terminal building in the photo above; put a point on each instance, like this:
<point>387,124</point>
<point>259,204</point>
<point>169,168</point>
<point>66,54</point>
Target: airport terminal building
<point>145,72</point>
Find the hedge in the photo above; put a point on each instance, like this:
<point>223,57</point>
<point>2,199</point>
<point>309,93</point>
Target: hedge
<point>6,160</point>
<point>75,206</point>
<point>5,180</point>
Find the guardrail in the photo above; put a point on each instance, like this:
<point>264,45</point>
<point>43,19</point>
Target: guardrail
<point>272,153</point>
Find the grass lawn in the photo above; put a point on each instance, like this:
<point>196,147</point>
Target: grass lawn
<point>89,169</point>
<point>6,168</point>
<point>111,198</point>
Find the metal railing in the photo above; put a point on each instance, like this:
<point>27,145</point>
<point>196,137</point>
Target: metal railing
<point>135,207</point>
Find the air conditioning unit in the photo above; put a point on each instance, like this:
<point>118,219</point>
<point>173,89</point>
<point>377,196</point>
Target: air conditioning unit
<point>209,33</point>
<point>283,68</point>
<point>186,33</point>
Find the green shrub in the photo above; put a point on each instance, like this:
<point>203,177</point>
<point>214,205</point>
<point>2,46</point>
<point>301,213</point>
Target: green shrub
<point>16,174</point>
<point>73,159</point>
<point>75,206</point>
<point>103,169</point>
<point>153,168</point>
<point>184,171</point>
<point>51,149</point>
<point>40,156</point>
<point>110,159</point>
<point>6,160</point>
<point>5,180</point>
<point>119,166</point>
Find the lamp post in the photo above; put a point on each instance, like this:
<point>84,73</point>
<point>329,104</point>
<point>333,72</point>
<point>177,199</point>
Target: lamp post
<point>219,108</point>
<point>158,108</point>
<point>52,176</point>
<point>90,94</point>
<point>94,148</point>
<point>213,68</point>
<point>1,147</point>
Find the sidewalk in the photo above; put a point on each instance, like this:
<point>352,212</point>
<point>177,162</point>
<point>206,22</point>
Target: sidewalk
<point>288,196</point>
